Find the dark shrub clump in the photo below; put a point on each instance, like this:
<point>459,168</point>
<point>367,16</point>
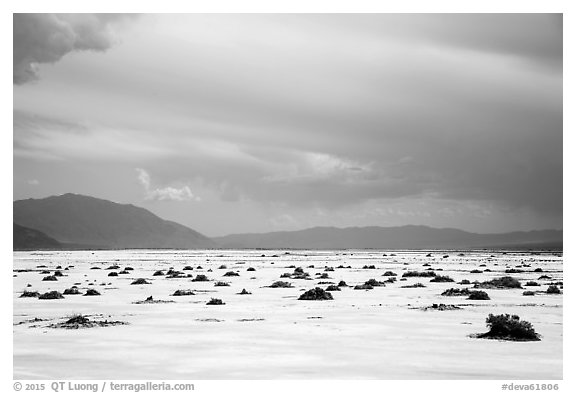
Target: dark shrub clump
<point>456,292</point>
<point>333,288</point>
<point>244,292</point>
<point>363,286</point>
<point>389,273</point>
<point>316,294</point>
<point>139,281</point>
<point>221,284</point>
<point>200,277</point>
<point>51,295</point>
<point>29,294</point>
<point>509,327</point>
<point>478,295</point>
<point>50,278</point>
<point>158,273</point>
<point>502,282</point>
<point>342,284</point>
<point>112,274</point>
<point>374,283</point>
<point>553,289</point>
<point>231,274</point>
<point>250,269</point>
<point>92,292</point>
<point>280,284</point>
<point>188,268</point>
<point>442,279</point>
<point>215,302</point>
<point>72,291</point>
<point>464,282</point>
<point>419,274</point>
<point>417,285</point>
<point>528,293</point>
<point>183,292</point>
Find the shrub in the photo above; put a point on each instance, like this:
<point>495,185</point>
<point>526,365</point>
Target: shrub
<point>456,292</point>
<point>183,292</point>
<point>329,269</point>
<point>478,295</point>
<point>58,273</point>
<point>502,282</point>
<point>113,267</point>
<point>221,284</point>
<point>475,271</point>
<point>528,293</point>
<point>128,268</point>
<point>250,269</point>
<point>368,267</point>
<point>139,281</point>
<point>215,302</point>
<point>511,271</point>
<point>372,282</point>
<point>342,284</point>
<point>363,286</point>
<point>72,291</point>
<point>244,292</point>
<point>92,292</point>
<point>112,274</point>
<point>509,327</point>
<point>464,282</point>
<point>316,294</point>
<point>532,284</point>
<point>538,270</point>
<point>333,288</point>
<point>29,294</point>
<point>200,277</point>
<point>442,279</point>
<point>281,284</point>
<point>389,273</point>
<point>51,295</point>
<point>50,278</point>
<point>417,285</point>
<point>222,267</point>
<point>419,274</point>
<point>158,273</point>
<point>553,289</point>
<point>231,274</point>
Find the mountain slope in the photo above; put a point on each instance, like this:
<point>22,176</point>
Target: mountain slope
<point>405,237</point>
<point>31,239</point>
<point>79,219</point>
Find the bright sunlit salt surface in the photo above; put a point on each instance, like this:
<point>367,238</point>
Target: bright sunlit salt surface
<point>382,333</point>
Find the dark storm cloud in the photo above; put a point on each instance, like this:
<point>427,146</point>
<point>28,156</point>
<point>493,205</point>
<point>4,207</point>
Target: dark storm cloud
<point>323,110</point>
<point>46,38</point>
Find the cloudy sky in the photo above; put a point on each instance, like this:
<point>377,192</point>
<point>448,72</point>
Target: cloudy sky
<point>251,123</point>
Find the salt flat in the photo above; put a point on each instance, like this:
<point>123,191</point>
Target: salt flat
<point>382,333</point>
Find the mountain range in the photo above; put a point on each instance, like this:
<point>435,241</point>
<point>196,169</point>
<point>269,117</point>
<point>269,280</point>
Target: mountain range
<point>79,221</point>
<point>72,221</point>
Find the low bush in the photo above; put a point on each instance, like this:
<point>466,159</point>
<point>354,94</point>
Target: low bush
<point>139,281</point>
<point>215,302</point>
<point>51,295</point>
<point>316,294</point>
<point>442,279</point>
<point>509,327</point>
<point>478,295</point>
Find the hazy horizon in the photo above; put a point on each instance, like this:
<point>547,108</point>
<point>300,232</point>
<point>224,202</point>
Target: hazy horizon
<point>251,123</point>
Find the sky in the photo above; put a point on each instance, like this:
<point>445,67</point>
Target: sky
<point>232,123</point>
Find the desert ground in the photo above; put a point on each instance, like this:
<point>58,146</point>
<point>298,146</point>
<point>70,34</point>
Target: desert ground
<point>388,332</point>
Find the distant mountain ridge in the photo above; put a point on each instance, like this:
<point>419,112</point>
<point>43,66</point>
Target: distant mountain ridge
<point>31,239</point>
<point>403,237</point>
<point>77,219</point>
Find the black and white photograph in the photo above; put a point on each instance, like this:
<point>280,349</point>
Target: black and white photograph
<point>288,196</point>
